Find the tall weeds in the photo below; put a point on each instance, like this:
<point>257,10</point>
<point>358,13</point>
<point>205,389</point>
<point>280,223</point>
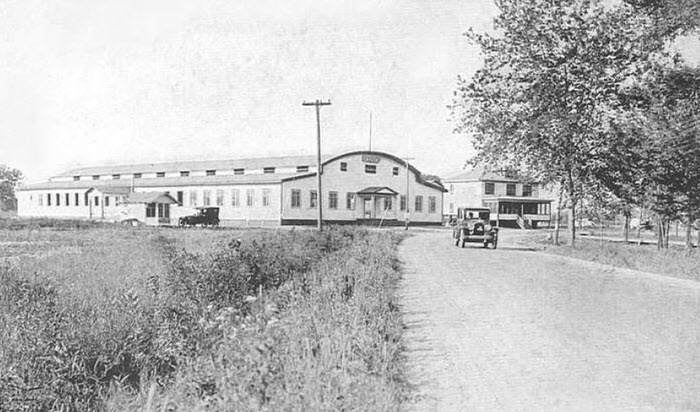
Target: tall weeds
<point>280,320</point>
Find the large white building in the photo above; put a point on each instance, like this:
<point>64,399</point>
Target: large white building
<point>513,201</point>
<point>361,186</point>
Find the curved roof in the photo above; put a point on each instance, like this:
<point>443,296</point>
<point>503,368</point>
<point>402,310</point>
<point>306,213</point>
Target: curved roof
<point>419,175</point>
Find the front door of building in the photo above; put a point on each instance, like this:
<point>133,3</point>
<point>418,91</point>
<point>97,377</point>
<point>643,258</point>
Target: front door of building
<point>368,206</point>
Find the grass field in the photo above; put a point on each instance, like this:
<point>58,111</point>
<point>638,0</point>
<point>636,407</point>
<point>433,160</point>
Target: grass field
<point>675,261</point>
<point>113,318</point>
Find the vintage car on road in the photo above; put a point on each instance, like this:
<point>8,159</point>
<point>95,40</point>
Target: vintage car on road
<point>473,225</point>
<point>206,216</point>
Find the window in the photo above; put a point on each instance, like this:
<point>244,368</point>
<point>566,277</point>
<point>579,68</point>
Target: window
<point>350,201</point>
<point>343,167</point>
<point>180,196</point>
<point>296,198</point>
<point>193,198</point>
<point>332,200</point>
<point>395,171</point>
<point>235,197</point>
<point>206,197</point>
<point>106,200</point>
<point>77,199</point>
<point>219,197</point>
<point>164,210</point>
<point>302,169</point>
<point>97,200</point>
<point>48,199</point>
<point>238,171</point>
<point>41,200</point>
<point>266,197</point>
<point>432,204</point>
<point>371,169</point>
<point>489,188</point>
<point>268,170</point>
<point>452,188</point>
<point>116,176</point>
<point>527,190</point>
<point>510,189</point>
<point>58,199</point>
<point>151,210</point>
<point>211,172</point>
<point>67,199</point>
<point>249,197</point>
<point>184,173</point>
<point>402,202</point>
<point>95,177</point>
<point>452,207</point>
<point>313,199</point>
<point>419,204</point>
<point>160,174</point>
<point>387,203</point>
<point>86,200</point>
<point>138,175</point>
<point>76,178</point>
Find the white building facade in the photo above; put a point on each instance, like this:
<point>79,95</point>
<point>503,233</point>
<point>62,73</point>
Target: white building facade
<point>513,201</point>
<point>358,187</point>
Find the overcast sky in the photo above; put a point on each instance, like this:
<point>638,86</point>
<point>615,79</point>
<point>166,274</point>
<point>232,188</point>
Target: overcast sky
<point>87,82</point>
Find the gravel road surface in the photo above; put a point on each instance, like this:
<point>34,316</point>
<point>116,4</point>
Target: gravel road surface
<point>518,330</point>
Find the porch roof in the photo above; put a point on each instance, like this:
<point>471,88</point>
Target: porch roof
<point>516,199</point>
<point>150,197</point>
<point>378,190</point>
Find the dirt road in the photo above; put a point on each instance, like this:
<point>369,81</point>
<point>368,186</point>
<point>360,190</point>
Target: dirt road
<point>511,329</point>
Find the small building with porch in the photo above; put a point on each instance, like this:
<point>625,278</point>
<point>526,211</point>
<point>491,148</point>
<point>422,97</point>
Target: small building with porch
<point>514,201</point>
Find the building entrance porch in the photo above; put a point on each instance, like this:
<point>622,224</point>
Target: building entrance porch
<point>377,203</point>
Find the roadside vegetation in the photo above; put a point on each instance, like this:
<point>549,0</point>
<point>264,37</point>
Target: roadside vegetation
<point>147,319</point>
<point>674,261</point>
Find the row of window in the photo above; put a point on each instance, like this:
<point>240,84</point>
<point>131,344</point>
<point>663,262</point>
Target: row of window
<point>490,189</point>
<point>65,199</point>
<point>369,168</point>
<point>220,197</point>
<point>295,201</point>
<point>186,173</point>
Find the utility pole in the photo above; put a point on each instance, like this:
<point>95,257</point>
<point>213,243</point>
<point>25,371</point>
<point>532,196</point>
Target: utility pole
<point>408,210</point>
<point>370,131</point>
<point>319,195</point>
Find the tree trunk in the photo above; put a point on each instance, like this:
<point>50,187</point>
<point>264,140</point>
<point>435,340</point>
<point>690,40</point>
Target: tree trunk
<point>572,223</point>
<point>689,231</point>
<point>557,223</point>
<point>626,228</point>
<point>639,227</point>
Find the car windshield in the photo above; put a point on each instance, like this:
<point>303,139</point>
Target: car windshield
<point>476,214</point>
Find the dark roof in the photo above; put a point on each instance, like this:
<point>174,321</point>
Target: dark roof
<point>419,178</point>
<point>149,197</point>
<point>377,190</point>
<point>105,185</point>
<point>195,165</point>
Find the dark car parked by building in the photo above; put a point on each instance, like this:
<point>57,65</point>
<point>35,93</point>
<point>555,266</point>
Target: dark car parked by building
<point>206,216</point>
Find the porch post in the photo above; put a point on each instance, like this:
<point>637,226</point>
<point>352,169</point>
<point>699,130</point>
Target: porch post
<point>498,213</point>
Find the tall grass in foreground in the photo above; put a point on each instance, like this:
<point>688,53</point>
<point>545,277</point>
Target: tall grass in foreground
<point>281,320</point>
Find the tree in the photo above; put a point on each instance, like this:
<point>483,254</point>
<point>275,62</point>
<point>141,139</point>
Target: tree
<point>548,86</point>
<point>9,179</point>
